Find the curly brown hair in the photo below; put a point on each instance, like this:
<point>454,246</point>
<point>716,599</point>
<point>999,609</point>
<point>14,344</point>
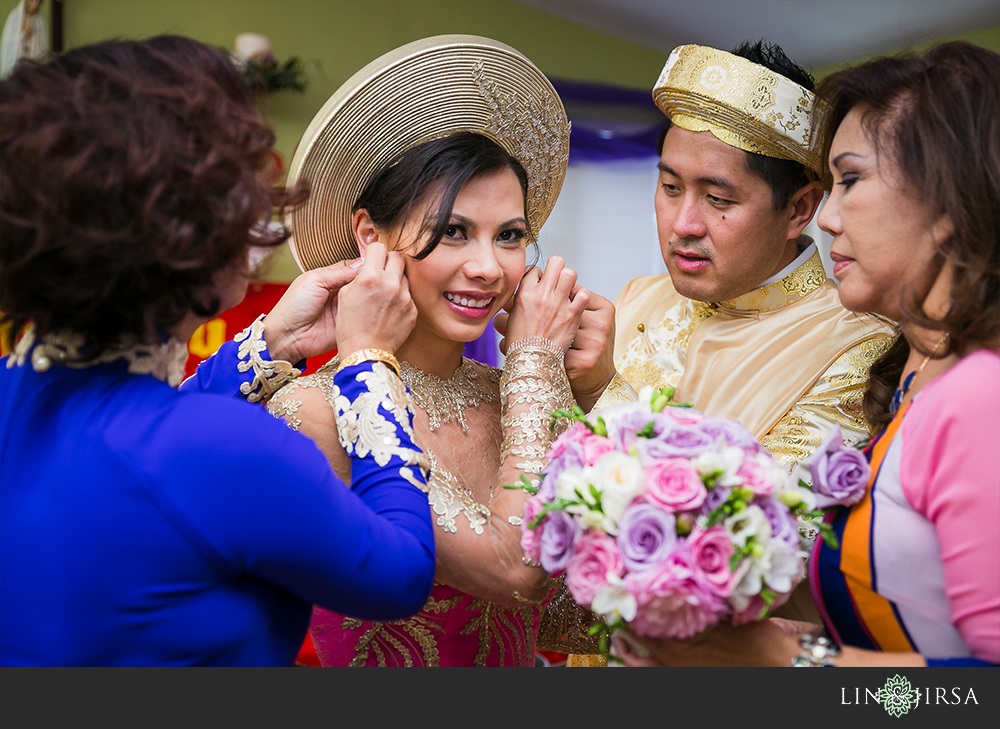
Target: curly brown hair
<point>128,180</point>
<point>937,117</point>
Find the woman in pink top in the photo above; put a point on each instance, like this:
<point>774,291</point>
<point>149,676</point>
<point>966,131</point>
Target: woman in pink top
<point>914,151</point>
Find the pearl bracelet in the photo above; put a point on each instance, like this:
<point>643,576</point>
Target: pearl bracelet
<point>819,652</point>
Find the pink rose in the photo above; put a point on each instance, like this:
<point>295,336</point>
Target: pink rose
<point>595,446</point>
<point>710,553</point>
<point>674,484</point>
<point>757,475</point>
<point>531,539</point>
<point>576,433</point>
<point>587,570</point>
<point>684,416</point>
<point>674,600</point>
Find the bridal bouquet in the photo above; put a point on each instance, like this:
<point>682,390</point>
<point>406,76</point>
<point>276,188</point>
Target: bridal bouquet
<point>669,521</point>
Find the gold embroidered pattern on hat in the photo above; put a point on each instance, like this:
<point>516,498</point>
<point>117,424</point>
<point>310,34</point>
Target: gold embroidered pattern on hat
<point>542,135</point>
<point>743,104</point>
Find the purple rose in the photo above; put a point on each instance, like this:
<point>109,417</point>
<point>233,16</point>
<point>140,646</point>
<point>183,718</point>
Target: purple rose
<point>681,440</point>
<point>561,532</point>
<point>783,524</point>
<point>572,456</point>
<point>623,426</point>
<point>731,431</point>
<point>646,535</point>
<point>839,473</point>
<point>716,497</point>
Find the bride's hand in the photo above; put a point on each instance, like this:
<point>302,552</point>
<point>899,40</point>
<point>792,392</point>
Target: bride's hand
<point>548,304</point>
<point>375,309</point>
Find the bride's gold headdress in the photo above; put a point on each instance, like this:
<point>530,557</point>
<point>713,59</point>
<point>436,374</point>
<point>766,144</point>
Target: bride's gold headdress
<point>741,103</point>
<point>421,91</point>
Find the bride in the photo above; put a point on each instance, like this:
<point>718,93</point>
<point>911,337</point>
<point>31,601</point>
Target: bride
<point>451,150</point>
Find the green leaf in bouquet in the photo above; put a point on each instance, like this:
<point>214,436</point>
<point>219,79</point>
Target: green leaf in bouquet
<point>734,561</point>
<point>647,431</point>
<point>523,485</point>
<point>549,506</point>
<point>601,428</point>
<point>826,531</point>
<point>768,596</point>
<point>597,497</point>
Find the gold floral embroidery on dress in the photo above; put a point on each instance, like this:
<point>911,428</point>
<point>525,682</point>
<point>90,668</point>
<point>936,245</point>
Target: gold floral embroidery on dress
<point>286,409</point>
<point>565,624</point>
<point>802,281</point>
<point>268,376</point>
<point>407,636</point>
<point>447,400</point>
<point>533,375</point>
<point>508,628</point>
<point>361,427</point>
<point>448,498</point>
<point>163,361</point>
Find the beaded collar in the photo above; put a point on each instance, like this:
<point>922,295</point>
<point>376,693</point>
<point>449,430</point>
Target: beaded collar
<point>446,400</point>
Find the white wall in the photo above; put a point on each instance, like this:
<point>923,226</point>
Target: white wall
<point>603,224</point>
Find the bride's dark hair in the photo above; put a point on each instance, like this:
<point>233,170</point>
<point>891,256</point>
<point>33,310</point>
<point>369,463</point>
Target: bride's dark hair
<point>437,168</point>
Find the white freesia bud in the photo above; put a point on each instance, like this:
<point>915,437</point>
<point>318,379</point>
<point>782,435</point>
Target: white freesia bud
<point>614,601</point>
<point>722,459</point>
<point>749,526</point>
<point>619,478</point>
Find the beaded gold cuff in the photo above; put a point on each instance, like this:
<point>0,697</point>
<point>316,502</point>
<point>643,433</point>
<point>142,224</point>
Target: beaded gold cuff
<point>370,355</point>
<point>538,342</point>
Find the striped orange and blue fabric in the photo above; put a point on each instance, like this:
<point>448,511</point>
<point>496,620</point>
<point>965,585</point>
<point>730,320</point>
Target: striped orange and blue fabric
<point>844,581</point>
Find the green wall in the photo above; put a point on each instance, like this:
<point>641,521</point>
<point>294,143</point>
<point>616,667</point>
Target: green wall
<point>334,38</point>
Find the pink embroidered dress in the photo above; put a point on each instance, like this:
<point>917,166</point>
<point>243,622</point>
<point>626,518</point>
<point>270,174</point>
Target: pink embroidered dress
<point>481,429</point>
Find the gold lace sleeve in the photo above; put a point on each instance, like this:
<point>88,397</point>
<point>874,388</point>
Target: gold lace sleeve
<point>533,386</point>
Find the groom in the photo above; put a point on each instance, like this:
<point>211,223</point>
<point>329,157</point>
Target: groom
<point>745,324</point>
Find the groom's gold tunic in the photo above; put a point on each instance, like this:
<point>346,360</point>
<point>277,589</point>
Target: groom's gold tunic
<point>786,359</point>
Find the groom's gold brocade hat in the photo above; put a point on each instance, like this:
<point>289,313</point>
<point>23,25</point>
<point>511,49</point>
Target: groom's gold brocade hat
<point>741,103</point>
<point>421,91</point>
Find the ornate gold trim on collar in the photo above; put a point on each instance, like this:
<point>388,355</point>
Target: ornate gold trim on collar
<point>802,281</point>
<point>164,361</point>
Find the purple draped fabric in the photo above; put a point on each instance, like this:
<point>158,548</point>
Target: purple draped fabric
<point>610,123</point>
<point>484,349</point>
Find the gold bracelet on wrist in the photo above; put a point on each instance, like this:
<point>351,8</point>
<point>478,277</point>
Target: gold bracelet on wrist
<point>370,355</point>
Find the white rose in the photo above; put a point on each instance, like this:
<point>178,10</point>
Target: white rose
<point>619,478</point>
<point>570,481</point>
<point>749,585</point>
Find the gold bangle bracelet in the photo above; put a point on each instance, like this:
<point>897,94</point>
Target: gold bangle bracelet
<point>370,355</point>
